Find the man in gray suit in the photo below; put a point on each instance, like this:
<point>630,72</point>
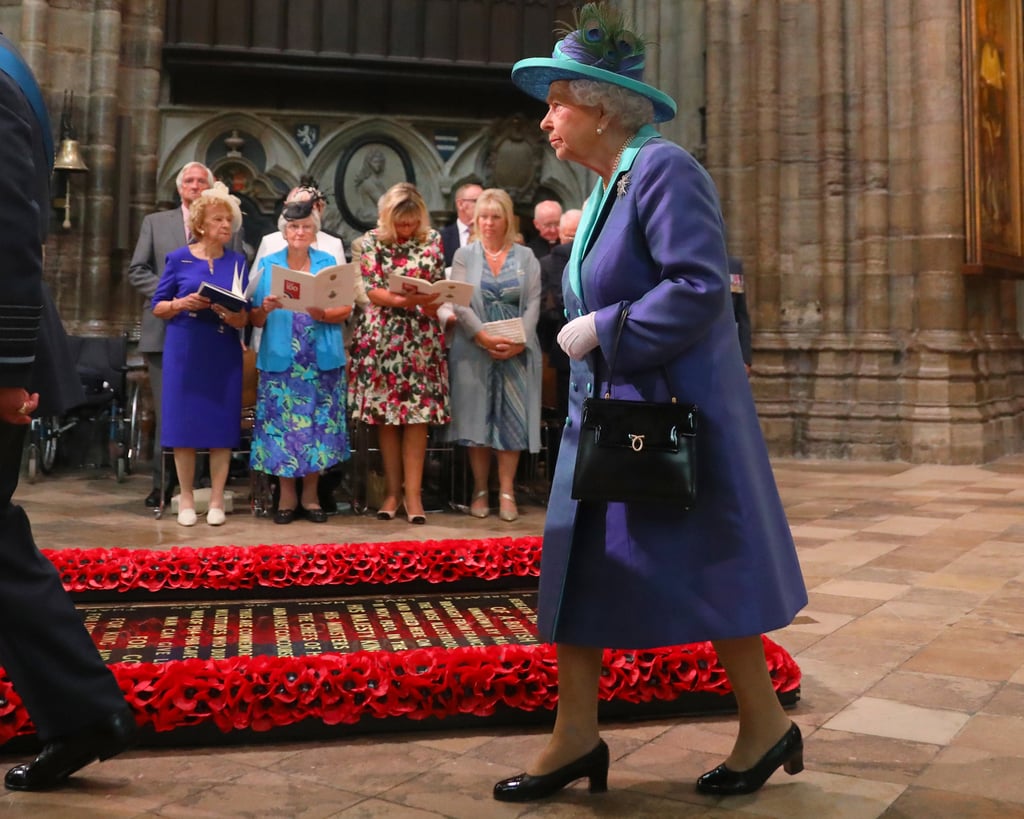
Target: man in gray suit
<point>161,233</point>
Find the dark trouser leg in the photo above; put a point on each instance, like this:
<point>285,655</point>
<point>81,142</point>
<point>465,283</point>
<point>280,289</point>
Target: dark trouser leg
<point>155,364</point>
<point>44,647</point>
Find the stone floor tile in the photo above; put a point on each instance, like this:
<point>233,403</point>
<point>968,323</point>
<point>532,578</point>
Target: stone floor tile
<point>380,809</point>
<point>999,734</point>
<point>862,588</point>
<point>916,803</point>
<point>262,794</point>
<point>985,654</point>
<point>1008,701</point>
<point>936,691</point>
<point>898,720</point>
<point>907,525</point>
<point>867,756</point>
<point>818,794</point>
<point>974,771</point>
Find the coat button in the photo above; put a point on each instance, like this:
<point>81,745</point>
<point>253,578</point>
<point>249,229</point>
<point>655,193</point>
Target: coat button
<point>575,387</point>
<point>568,421</point>
<point>565,312</point>
<point>579,312</point>
<point>590,388</point>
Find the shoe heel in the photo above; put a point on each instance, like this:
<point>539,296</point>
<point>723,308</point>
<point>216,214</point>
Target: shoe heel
<point>599,782</point>
<point>795,763</point>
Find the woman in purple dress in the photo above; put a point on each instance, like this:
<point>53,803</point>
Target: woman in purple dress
<point>641,575</point>
<point>202,397</point>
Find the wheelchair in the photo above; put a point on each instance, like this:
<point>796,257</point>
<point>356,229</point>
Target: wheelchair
<point>112,405</point>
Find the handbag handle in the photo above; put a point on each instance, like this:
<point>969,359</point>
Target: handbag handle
<point>615,353</point>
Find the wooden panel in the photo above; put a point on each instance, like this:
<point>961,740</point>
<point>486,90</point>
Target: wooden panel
<point>338,33</point>
<point>267,24</point>
<point>372,28</point>
<point>471,45</point>
<point>406,37</point>
<point>303,26</point>
<point>231,21</point>
<point>439,29</point>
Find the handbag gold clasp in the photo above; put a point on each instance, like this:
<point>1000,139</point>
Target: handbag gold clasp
<point>636,441</point>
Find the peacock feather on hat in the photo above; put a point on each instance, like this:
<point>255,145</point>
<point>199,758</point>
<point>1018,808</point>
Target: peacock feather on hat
<point>603,31</point>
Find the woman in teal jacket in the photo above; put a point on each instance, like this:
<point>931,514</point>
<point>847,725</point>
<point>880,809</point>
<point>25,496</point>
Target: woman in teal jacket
<point>300,402</point>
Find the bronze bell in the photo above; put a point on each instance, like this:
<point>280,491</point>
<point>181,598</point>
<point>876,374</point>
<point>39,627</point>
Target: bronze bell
<point>69,158</point>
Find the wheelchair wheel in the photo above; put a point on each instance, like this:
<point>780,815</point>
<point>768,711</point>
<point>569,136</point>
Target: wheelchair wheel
<point>32,462</point>
<point>45,434</point>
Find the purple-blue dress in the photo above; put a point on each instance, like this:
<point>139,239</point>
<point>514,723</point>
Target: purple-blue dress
<point>202,394</point>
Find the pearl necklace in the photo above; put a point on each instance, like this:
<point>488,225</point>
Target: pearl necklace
<point>618,156</point>
<point>496,254</point>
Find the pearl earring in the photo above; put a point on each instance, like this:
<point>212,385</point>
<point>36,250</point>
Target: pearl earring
<point>600,130</point>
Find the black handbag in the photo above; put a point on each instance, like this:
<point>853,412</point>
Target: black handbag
<point>636,451</point>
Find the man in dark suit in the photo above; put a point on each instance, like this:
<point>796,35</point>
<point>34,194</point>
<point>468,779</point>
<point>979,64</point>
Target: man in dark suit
<point>552,314</point>
<point>161,233</point>
<point>739,308</point>
<point>547,216</point>
<point>73,699</point>
<point>457,233</point>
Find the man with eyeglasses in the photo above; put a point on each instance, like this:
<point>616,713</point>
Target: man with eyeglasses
<point>546,217</point>
<point>457,233</point>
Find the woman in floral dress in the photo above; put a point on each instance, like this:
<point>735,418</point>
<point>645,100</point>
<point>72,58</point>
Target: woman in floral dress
<point>398,378</point>
<point>300,401</point>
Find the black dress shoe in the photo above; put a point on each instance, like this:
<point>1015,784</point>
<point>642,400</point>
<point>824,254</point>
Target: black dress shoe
<point>315,515</point>
<point>62,757</point>
<point>525,787</point>
<point>284,516</point>
<point>153,499</point>
<point>788,753</point>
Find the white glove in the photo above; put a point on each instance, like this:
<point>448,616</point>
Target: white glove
<point>578,337</point>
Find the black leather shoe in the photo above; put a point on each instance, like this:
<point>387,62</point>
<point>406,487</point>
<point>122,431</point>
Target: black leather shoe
<point>62,757</point>
<point>153,499</point>
<point>525,787</point>
<point>284,516</point>
<point>788,753</point>
<point>315,515</point>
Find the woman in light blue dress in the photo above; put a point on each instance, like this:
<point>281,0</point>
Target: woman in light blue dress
<point>495,377</point>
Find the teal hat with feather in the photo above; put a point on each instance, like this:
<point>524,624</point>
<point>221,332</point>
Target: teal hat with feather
<point>599,48</point>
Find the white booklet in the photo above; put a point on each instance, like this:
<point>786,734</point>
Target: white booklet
<point>333,286</point>
<point>511,328</point>
<point>455,292</point>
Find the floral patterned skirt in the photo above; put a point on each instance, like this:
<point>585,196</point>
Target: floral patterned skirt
<point>300,418</point>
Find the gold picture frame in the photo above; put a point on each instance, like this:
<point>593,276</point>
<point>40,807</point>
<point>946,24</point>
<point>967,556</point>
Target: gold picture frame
<point>992,83</point>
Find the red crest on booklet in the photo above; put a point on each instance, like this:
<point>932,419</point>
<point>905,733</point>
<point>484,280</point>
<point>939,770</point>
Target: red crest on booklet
<point>292,289</point>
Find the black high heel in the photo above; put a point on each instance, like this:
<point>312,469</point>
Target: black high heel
<point>525,787</point>
<point>787,753</point>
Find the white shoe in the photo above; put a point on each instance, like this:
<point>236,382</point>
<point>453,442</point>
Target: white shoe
<point>215,517</point>
<point>187,517</point>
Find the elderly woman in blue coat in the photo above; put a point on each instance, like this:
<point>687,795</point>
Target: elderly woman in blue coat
<point>645,575</point>
<point>300,427</point>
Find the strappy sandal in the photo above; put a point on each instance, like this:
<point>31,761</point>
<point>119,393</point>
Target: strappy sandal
<point>477,511</point>
<point>504,512</point>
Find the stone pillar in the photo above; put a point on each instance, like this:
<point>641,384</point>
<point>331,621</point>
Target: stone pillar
<point>143,35</point>
<point>839,159</point>
<point>675,62</point>
<point>98,285</point>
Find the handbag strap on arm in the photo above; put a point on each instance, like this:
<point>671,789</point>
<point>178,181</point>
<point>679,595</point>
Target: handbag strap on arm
<point>614,354</point>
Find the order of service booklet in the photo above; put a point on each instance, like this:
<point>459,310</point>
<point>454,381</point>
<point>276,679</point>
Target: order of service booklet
<point>510,328</point>
<point>225,298</point>
<point>333,286</point>
<point>456,292</point>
